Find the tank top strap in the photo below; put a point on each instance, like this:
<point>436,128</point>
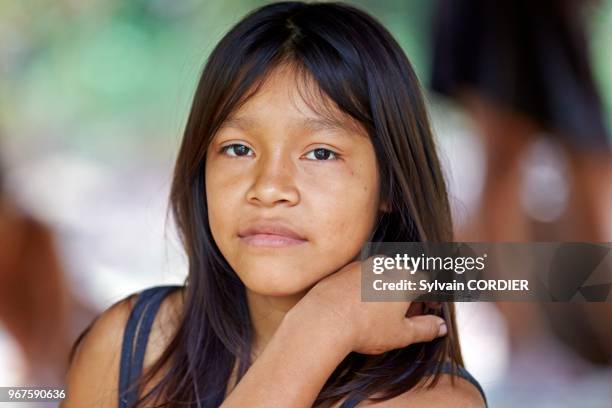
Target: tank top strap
<point>135,339</point>
<point>463,373</point>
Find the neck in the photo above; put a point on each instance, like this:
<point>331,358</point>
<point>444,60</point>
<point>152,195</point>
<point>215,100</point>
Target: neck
<point>267,313</point>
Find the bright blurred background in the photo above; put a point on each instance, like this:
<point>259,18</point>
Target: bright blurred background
<point>93,98</point>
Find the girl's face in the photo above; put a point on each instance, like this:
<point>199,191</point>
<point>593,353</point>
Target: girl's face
<point>291,196</point>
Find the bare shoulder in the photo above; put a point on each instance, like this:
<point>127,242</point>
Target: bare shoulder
<point>446,393</point>
<point>93,376</point>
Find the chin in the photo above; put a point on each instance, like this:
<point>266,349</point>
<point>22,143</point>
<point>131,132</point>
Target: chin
<point>272,281</point>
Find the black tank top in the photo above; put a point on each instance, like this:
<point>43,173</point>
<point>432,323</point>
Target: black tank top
<point>137,332</point>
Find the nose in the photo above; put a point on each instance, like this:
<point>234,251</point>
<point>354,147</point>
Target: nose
<point>274,181</point>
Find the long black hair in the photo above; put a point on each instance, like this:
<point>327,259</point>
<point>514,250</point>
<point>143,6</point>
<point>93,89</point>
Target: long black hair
<point>356,63</point>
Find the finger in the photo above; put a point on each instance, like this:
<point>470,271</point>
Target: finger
<point>424,328</point>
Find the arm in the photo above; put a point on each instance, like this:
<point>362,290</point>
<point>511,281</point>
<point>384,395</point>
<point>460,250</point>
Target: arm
<point>298,360</point>
<point>293,367</point>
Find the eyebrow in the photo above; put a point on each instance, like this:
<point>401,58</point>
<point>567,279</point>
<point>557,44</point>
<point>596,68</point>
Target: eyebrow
<point>312,124</point>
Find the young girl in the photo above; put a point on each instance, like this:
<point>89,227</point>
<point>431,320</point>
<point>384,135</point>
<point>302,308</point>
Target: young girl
<point>307,137</point>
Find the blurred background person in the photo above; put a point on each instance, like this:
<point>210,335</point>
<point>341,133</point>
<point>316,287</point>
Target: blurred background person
<point>522,71</point>
<point>37,309</point>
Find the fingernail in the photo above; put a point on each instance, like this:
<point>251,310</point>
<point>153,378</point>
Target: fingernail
<point>442,330</point>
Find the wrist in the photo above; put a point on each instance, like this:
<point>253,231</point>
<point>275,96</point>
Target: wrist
<point>327,330</point>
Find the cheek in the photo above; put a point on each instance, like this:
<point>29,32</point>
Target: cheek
<point>349,217</point>
<point>346,214</point>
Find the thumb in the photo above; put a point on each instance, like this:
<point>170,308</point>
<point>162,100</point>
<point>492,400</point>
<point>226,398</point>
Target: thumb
<point>424,328</point>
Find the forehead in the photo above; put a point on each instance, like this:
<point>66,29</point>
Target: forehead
<point>289,96</point>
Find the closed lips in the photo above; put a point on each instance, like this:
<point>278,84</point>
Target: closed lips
<point>271,229</point>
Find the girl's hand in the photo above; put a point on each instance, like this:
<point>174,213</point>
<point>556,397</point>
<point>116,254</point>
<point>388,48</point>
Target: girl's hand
<point>364,327</point>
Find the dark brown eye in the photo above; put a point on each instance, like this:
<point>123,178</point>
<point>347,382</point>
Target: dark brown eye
<point>321,154</point>
<point>236,149</point>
